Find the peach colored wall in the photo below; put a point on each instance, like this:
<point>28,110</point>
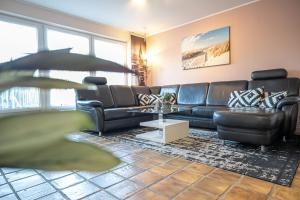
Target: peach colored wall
<point>265,34</point>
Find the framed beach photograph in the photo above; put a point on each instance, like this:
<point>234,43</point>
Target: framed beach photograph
<point>206,49</point>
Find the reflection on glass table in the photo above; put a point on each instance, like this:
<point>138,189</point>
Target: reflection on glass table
<point>167,130</point>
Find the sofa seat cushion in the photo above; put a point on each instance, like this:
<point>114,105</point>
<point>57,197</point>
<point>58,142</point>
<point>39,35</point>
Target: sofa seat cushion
<point>183,110</point>
<point>207,111</point>
<point>250,118</point>
<point>120,113</point>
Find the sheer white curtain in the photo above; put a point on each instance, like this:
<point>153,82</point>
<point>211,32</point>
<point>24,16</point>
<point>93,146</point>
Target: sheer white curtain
<point>16,41</point>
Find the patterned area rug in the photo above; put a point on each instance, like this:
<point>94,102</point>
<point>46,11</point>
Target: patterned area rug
<point>277,165</point>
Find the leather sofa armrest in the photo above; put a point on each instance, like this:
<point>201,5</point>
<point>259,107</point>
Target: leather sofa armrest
<point>89,103</point>
<point>95,110</point>
<point>288,101</point>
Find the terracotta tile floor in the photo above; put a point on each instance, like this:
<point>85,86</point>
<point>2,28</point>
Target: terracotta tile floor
<point>143,175</point>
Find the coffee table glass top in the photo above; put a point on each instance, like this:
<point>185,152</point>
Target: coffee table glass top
<point>152,110</point>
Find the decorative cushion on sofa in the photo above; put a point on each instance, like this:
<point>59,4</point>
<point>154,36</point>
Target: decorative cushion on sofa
<point>143,99</point>
<point>172,99</point>
<point>150,99</point>
<point>247,98</point>
<point>154,98</point>
<point>272,98</point>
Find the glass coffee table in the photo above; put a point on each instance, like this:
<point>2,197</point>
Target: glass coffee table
<point>168,130</point>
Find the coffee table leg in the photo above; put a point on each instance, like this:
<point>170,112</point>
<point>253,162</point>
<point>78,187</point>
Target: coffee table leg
<point>160,120</point>
<point>161,117</point>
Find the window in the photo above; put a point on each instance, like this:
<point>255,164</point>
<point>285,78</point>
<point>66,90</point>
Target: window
<point>16,41</point>
<point>110,50</point>
<point>65,98</point>
<point>60,40</point>
<point>79,44</point>
<point>113,51</point>
<point>18,37</point>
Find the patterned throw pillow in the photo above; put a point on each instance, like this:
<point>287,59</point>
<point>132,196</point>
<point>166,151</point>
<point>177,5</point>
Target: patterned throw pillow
<point>154,98</point>
<point>173,98</point>
<point>247,98</point>
<point>271,99</point>
<point>143,99</point>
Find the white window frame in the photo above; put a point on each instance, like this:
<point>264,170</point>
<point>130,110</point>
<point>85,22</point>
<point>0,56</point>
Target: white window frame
<point>42,28</point>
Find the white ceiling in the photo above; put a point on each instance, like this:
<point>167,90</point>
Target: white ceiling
<point>150,16</point>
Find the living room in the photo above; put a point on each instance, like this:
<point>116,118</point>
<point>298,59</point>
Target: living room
<point>148,99</point>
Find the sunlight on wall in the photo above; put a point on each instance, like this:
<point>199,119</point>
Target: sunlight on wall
<point>153,61</point>
<point>152,57</point>
<point>138,2</point>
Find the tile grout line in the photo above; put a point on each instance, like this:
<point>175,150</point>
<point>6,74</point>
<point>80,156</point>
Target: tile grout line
<point>101,189</point>
<point>145,170</point>
<point>229,188</point>
<point>139,149</point>
<point>194,183</point>
<point>271,192</point>
<point>168,176</point>
<point>236,183</point>
<point>221,196</point>
<point>126,178</point>
<point>9,184</point>
<point>111,171</point>
<point>49,182</point>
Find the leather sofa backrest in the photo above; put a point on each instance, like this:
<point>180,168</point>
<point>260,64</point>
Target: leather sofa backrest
<point>269,74</point>
<point>87,94</point>
<point>105,96</point>
<point>95,80</point>
<point>192,94</point>
<point>219,92</point>
<point>169,89</point>
<point>122,95</point>
<point>102,93</point>
<point>140,90</point>
<point>291,85</point>
<point>274,80</point>
<point>155,89</point>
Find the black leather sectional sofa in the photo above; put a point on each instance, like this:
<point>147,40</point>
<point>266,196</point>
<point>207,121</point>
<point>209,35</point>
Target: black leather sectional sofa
<point>204,106</point>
